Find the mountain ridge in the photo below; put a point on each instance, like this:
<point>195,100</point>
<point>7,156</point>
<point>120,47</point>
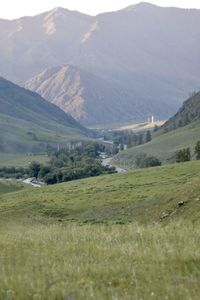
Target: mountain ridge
<point>141,4</point>
<point>87,97</point>
<point>156,64</point>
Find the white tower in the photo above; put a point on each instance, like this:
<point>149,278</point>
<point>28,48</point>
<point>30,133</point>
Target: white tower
<point>152,119</point>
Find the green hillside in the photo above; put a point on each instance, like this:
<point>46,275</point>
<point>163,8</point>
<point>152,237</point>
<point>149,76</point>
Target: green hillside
<point>187,114</point>
<point>111,237</point>
<point>142,196</point>
<point>28,122</point>
<point>8,186</point>
<point>163,146</point>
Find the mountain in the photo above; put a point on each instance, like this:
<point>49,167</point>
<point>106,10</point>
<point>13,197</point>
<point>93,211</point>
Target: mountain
<point>187,114</point>
<point>180,131</point>
<point>127,48</point>
<point>28,123</point>
<point>89,98</point>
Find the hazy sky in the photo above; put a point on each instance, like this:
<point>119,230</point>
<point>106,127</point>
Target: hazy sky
<point>16,8</point>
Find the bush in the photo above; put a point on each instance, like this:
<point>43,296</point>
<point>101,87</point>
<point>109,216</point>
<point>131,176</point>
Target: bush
<point>152,161</point>
<point>183,155</point>
<point>139,161</point>
<point>197,150</point>
<point>144,161</point>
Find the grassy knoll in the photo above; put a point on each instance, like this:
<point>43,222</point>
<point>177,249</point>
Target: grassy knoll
<point>142,196</point>
<point>9,186</point>
<point>123,252</point>
<point>162,146</point>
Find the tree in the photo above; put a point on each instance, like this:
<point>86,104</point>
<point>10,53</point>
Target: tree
<point>121,147</point>
<point>140,139</point>
<point>183,155</point>
<point>144,161</point>
<point>155,128</point>
<point>197,150</point>
<point>139,160</point>
<point>148,137</point>
<point>152,161</point>
<point>34,169</point>
<point>44,170</point>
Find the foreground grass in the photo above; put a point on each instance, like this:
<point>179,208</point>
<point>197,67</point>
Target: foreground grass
<point>144,246</point>
<point>100,262</point>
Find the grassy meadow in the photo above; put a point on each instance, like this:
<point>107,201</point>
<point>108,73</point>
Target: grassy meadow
<point>110,237</point>
<point>9,186</point>
<point>21,160</point>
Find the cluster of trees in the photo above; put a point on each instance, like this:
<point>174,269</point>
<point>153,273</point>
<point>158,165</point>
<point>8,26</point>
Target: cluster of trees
<point>183,121</point>
<point>128,138</point>
<point>185,154</point>
<point>13,172</point>
<point>66,165</point>
<point>144,161</point>
<point>52,175</point>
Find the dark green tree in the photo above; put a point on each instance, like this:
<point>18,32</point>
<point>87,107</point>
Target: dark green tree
<point>152,161</point>
<point>140,139</point>
<point>144,161</point>
<point>148,137</point>
<point>155,128</point>
<point>197,150</point>
<point>140,159</point>
<point>183,155</point>
<point>34,169</point>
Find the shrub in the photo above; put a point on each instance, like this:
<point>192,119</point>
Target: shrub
<point>144,161</point>
<point>183,155</point>
<point>197,150</point>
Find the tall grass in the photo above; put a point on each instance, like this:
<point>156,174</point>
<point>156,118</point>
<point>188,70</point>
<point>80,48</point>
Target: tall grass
<point>100,262</point>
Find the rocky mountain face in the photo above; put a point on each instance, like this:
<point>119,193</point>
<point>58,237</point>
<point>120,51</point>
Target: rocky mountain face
<point>89,98</point>
<point>151,54</point>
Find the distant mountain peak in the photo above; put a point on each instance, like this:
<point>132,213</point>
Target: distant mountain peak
<point>141,5</point>
<point>59,10</point>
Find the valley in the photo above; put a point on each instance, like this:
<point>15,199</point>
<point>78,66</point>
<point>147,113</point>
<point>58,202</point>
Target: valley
<point>100,153</point>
